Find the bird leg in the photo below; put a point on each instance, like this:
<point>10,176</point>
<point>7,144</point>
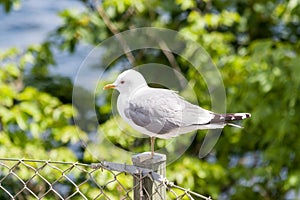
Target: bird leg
<point>152,140</point>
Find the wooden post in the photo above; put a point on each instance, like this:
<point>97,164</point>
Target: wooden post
<point>145,189</point>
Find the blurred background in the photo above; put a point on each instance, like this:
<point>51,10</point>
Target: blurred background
<point>255,45</point>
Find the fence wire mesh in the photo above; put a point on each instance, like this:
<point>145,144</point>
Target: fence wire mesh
<point>40,179</point>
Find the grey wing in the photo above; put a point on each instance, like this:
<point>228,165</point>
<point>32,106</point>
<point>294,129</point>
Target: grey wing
<point>192,114</point>
<point>195,115</point>
<point>139,115</point>
<point>158,112</point>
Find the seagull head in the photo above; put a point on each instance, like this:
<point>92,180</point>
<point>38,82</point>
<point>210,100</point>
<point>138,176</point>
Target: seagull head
<point>127,82</point>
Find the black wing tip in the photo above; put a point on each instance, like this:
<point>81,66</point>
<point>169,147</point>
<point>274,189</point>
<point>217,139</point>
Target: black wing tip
<point>246,115</point>
<point>219,118</point>
<point>237,116</point>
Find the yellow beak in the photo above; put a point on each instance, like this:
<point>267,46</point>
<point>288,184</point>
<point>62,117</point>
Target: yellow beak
<point>108,86</point>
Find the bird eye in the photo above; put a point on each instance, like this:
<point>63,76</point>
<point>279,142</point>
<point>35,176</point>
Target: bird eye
<point>122,82</point>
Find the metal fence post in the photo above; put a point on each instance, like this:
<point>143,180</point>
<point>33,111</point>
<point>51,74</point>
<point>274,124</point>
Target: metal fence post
<point>145,188</point>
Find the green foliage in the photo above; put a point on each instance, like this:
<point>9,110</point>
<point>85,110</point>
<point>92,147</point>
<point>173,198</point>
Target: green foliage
<point>33,124</point>
<point>256,46</point>
<point>8,5</point>
<point>49,84</point>
<point>79,26</point>
<point>42,57</point>
<point>31,121</point>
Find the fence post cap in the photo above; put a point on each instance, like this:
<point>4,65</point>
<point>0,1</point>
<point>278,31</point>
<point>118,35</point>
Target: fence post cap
<point>145,158</point>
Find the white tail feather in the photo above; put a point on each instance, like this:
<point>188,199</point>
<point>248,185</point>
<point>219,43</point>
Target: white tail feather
<point>234,125</point>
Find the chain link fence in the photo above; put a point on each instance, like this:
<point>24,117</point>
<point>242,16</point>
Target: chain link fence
<point>25,179</point>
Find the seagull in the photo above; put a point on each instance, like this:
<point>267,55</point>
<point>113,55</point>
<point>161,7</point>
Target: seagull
<point>162,113</point>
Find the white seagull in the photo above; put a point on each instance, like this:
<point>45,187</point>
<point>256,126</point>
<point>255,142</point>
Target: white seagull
<point>162,113</point>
